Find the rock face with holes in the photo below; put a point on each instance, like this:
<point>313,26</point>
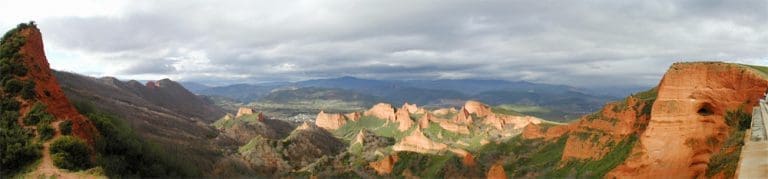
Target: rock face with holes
<point>687,120</point>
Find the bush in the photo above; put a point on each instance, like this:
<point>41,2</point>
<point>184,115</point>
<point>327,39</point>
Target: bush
<point>9,104</point>
<point>28,90</point>
<point>45,131</point>
<point>65,127</point>
<point>13,86</point>
<point>16,146</point>
<point>70,153</point>
<point>37,114</point>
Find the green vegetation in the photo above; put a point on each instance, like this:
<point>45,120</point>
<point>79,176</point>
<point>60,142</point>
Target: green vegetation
<point>426,165</point>
<point>522,157</point>
<point>223,123</point>
<point>65,127</point>
<point>45,131</point>
<point>17,146</point>
<point>122,153</point>
<point>70,153</point>
<point>37,115</point>
<point>596,168</point>
<point>727,159</point>
<point>762,70</point>
<point>380,127</point>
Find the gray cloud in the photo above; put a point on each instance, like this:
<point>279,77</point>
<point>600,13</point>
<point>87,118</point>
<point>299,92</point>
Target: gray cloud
<point>579,43</point>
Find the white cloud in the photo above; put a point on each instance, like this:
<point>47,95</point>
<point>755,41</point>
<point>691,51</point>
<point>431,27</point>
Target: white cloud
<point>576,43</point>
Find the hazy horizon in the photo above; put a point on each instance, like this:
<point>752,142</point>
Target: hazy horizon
<point>581,44</point>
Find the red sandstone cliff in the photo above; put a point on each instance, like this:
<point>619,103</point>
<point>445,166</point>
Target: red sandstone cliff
<point>687,115</point>
<point>47,89</point>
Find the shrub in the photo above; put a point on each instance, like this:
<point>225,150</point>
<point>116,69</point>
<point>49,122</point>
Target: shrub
<point>13,86</point>
<point>45,131</point>
<point>9,104</point>
<point>70,153</point>
<point>65,127</point>
<point>37,114</point>
<point>28,90</point>
<point>16,146</point>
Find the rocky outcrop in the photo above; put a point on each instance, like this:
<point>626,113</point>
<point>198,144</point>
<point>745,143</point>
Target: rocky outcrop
<point>417,142</point>
<point>424,120</point>
<point>463,117</point>
<point>242,111</point>
<point>496,172</point>
<point>382,111</point>
<point>404,120</point>
<point>468,160</point>
<point>330,121</point>
<point>453,127</point>
<point>385,165</point>
<point>478,108</point>
<point>535,131</point>
<point>499,121</point>
<point>444,111</point>
<point>304,126</point>
<point>359,138</point>
<point>47,89</point>
<point>353,116</point>
<point>411,108</point>
<point>687,120</point>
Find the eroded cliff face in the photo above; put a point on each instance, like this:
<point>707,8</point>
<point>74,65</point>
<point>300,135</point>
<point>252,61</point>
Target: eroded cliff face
<point>596,134</point>
<point>47,89</point>
<point>687,122</point>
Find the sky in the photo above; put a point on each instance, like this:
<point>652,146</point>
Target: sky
<point>580,43</point>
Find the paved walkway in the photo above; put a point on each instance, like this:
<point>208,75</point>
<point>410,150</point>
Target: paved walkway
<point>754,153</point>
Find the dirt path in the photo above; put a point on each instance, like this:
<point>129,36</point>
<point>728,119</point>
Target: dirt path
<point>46,167</point>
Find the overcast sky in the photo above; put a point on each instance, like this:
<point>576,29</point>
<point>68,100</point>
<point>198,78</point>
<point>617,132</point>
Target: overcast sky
<point>580,43</point>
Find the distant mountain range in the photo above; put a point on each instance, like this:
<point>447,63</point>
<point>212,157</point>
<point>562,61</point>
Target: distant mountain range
<point>437,93</point>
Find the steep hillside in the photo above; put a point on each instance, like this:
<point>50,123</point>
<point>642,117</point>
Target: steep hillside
<point>694,117</point>
<point>33,105</point>
<point>161,122</point>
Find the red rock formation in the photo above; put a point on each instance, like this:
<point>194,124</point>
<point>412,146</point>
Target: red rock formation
<point>152,85</point>
<point>534,131</point>
<point>478,108</point>
<point>444,111</point>
<point>47,89</point>
<point>468,160</point>
<point>404,120</point>
<point>353,116</point>
<point>330,121</point>
<point>517,122</point>
<point>385,165</point>
<point>304,126</point>
<point>424,121</point>
<point>261,117</point>
<point>453,127</point>
<point>687,115</point>
<point>242,111</point>
<point>496,172</point>
<point>359,138</point>
<point>463,117</point>
<point>411,108</point>
<point>382,111</point>
<point>417,142</point>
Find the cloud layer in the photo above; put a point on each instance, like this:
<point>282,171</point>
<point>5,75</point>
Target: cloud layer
<point>593,43</point>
